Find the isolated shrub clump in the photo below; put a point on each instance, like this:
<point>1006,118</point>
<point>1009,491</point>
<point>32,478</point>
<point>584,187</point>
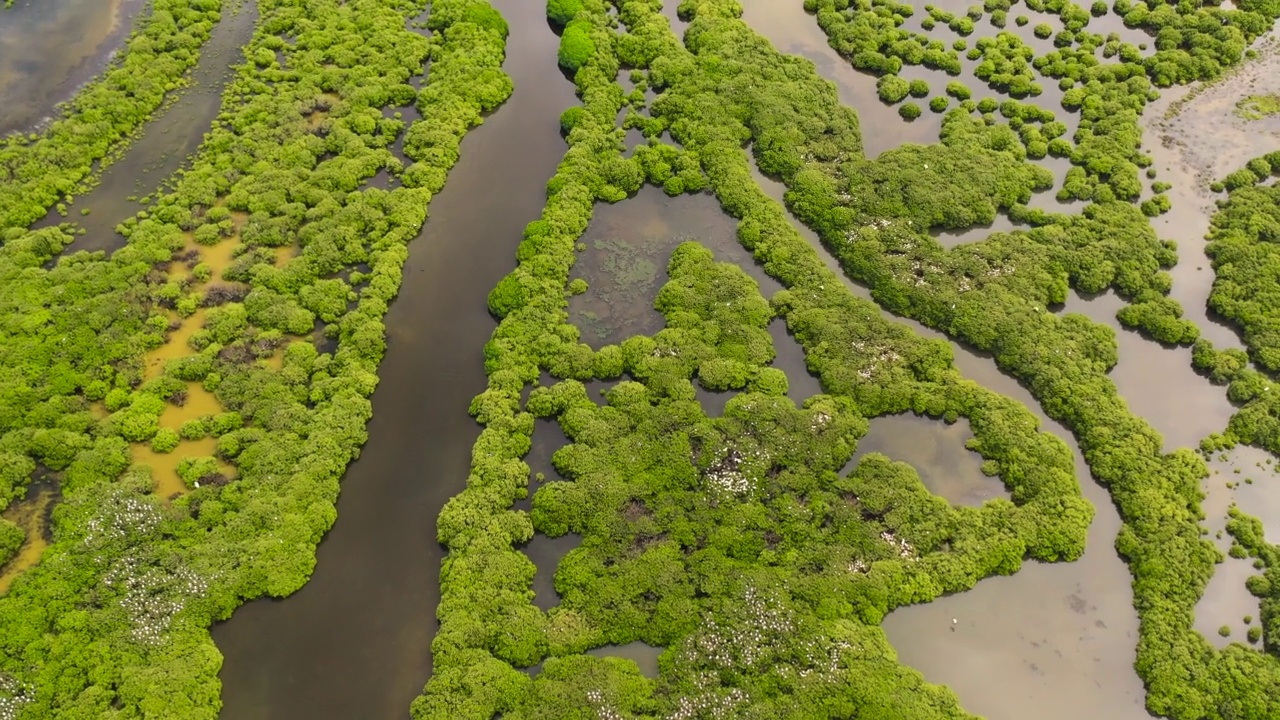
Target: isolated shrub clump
<point>561,12</point>
<point>576,45</point>
<point>892,88</point>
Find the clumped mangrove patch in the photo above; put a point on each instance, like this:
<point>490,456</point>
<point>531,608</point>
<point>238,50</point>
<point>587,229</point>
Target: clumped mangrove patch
<point>1246,292</point>
<point>197,395</point>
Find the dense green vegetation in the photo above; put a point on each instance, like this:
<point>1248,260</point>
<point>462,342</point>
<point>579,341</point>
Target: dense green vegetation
<point>1243,247</point>
<point>113,622</point>
<point>735,543</point>
<point>40,170</point>
<point>1193,42</point>
<point>11,538</point>
<point>744,546</point>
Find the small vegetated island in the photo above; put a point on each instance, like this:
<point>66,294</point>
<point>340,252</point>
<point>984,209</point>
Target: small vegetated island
<point>195,396</point>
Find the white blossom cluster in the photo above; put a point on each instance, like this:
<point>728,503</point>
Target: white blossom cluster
<point>765,623</point>
<point>13,696</point>
<point>709,703</point>
<point>904,548</point>
<point>726,475</point>
<point>918,273</point>
<point>604,709</point>
<point>881,353</point>
<point>853,235</point>
<point>830,662</point>
<point>153,595</point>
<point>128,516</point>
<point>819,421</point>
<point>763,637</point>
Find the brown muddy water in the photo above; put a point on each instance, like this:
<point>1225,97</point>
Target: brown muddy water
<point>1053,641</point>
<point>1157,381</point>
<point>938,452</point>
<point>355,641</point>
<point>1195,137</point>
<point>49,48</point>
<point>1247,478</point>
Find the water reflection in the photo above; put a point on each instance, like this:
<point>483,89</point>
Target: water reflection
<point>645,656</point>
<point>938,452</point>
<point>49,48</point>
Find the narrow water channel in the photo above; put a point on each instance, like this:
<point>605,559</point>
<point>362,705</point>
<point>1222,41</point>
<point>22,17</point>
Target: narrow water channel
<point>166,140</point>
<point>49,48</point>
<point>355,641</point>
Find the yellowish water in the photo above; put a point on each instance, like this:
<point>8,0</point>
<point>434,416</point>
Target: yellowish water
<point>176,346</point>
<point>164,466</point>
<point>218,256</point>
<point>285,253</point>
<point>276,360</point>
<point>30,515</point>
<point>316,118</point>
<point>200,402</point>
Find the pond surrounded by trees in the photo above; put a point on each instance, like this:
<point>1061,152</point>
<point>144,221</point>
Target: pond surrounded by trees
<point>379,613</point>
